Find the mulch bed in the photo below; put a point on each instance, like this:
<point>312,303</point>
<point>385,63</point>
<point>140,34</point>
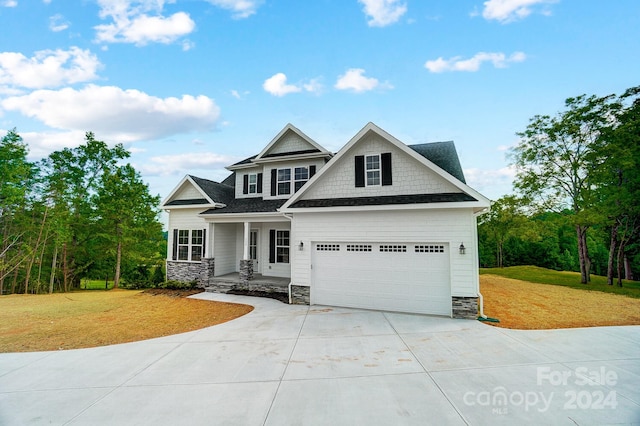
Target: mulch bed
<point>172,293</point>
<point>282,297</point>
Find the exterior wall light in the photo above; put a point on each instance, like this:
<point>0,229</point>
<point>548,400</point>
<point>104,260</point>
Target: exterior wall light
<point>301,246</point>
<point>462,248</point>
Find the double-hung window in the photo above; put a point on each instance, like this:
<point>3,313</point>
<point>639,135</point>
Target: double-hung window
<point>301,176</point>
<point>253,183</point>
<point>284,181</point>
<point>189,245</point>
<point>282,246</point>
<point>372,168</point>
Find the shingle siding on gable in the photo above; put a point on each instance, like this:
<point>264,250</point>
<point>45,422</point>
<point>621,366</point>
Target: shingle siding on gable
<point>409,176</point>
<point>266,177</point>
<point>290,142</point>
<point>188,192</point>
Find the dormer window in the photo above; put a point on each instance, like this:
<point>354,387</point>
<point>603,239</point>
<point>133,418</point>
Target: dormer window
<point>252,183</point>
<point>372,167</point>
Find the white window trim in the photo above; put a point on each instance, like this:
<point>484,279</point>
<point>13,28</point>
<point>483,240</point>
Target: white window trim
<point>278,181</point>
<point>296,181</point>
<point>190,245</point>
<point>288,246</point>
<point>253,184</point>
<point>367,170</point>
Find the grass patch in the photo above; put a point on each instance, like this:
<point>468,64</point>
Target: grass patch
<point>535,274</point>
<point>87,284</point>
<point>96,318</point>
<point>530,306</point>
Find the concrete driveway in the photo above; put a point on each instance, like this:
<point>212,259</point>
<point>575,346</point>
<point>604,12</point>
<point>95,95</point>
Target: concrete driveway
<point>299,365</point>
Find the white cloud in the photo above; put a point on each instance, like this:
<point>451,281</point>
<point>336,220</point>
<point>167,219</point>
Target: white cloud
<point>511,10</point>
<point>491,183</point>
<point>238,95</point>
<point>313,86</point>
<point>383,12</point>
<point>277,85</point>
<point>141,22</point>
<point>57,23</point>
<point>164,165</point>
<point>499,60</point>
<point>48,68</point>
<point>240,8</point>
<point>9,3</point>
<point>355,81</point>
<point>122,115</point>
<point>41,144</point>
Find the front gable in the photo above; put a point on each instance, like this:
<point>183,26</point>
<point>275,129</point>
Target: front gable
<point>289,141</point>
<point>374,168</point>
<point>195,192</point>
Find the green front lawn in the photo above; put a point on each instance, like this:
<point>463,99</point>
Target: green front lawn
<point>536,274</point>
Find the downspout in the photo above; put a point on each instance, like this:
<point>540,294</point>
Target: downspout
<point>482,315</point>
<point>290,217</point>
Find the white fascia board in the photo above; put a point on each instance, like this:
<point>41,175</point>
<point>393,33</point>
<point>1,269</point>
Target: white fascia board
<point>386,207</point>
<point>244,217</point>
<point>284,158</point>
<point>185,179</point>
<point>233,168</point>
<point>294,129</point>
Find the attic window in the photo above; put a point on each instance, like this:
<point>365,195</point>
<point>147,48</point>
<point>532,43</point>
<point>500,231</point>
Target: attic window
<point>372,167</point>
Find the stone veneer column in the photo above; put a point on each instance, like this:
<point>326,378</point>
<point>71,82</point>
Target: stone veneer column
<point>464,307</point>
<point>208,270</point>
<point>300,295</point>
<point>246,270</point>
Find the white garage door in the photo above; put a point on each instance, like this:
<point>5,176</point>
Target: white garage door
<point>403,277</point>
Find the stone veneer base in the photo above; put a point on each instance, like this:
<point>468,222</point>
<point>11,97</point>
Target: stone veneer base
<point>300,295</point>
<point>464,307</point>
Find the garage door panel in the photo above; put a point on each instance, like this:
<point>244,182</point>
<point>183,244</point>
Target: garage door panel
<point>394,277</point>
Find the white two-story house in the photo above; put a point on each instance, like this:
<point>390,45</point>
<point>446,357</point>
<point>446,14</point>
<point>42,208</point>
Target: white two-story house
<point>379,225</point>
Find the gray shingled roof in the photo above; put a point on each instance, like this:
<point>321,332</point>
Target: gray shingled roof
<point>218,192</point>
<point>384,200</point>
<point>230,180</point>
<point>191,202</point>
<point>248,205</point>
<point>443,155</point>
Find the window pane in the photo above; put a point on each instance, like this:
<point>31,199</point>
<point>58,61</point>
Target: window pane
<point>284,188</point>
<point>196,236</point>
<point>373,162</point>
<point>282,238</point>
<point>183,253</point>
<point>302,173</point>
<point>282,255</point>
<point>183,236</point>
<point>284,175</point>
<point>253,178</point>
<point>373,178</point>
<point>196,253</point>
<point>299,185</point>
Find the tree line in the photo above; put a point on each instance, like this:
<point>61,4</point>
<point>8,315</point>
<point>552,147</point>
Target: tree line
<point>577,192</point>
<point>79,213</point>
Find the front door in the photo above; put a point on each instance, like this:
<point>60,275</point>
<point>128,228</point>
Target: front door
<point>253,249</point>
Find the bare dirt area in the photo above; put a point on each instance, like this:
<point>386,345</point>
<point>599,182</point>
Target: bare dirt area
<point>530,306</point>
<point>98,318</point>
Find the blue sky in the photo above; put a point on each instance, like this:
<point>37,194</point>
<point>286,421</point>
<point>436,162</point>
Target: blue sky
<point>190,86</point>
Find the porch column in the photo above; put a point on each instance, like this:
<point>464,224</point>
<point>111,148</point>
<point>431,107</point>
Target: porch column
<point>247,231</point>
<point>246,264</point>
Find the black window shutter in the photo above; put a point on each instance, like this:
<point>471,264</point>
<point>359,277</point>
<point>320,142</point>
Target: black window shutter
<point>272,246</point>
<point>274,182</point>
<point>385,159</point>
<point>312,171</point>
<point>175,245</point>
<point>245,184</point>
<point>204,242</point>
<point>359,171</point>
<point>259,183</point>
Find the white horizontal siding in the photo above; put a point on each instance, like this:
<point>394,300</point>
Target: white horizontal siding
<point>409,175</point>
<point>412,226</point>
<point>225,248</point>
<point>240,174</point>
